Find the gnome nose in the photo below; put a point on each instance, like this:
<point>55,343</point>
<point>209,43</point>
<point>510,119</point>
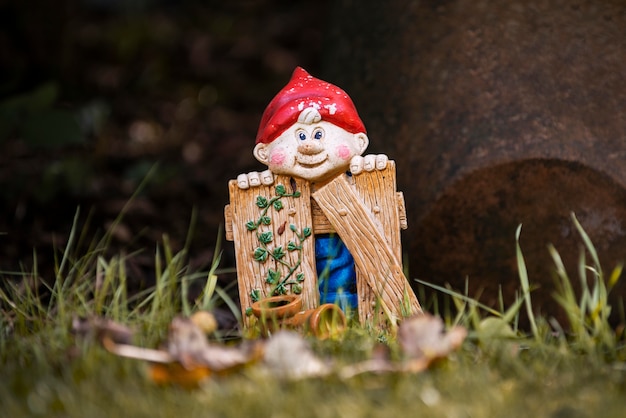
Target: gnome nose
<point>310,147</point>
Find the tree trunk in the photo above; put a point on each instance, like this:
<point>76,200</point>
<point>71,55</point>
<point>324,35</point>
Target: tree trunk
<point>497,113</point>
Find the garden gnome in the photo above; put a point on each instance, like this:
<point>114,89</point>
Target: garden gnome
<point>311,130</point>
<point>311,139</point>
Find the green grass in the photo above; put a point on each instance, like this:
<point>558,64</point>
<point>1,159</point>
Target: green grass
<point>499,371</point>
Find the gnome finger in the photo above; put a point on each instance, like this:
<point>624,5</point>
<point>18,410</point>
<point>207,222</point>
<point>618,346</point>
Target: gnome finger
<point>381,161</point>
<point>242,181</point>
<point>356,164</point>
<point>267,178</point>
<point>253,178</point>
<point>369,162</point>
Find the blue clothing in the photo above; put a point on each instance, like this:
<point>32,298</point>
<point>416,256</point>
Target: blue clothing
<point>335,271</point>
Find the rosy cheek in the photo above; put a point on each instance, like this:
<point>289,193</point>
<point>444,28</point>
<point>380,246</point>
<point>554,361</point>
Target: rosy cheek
<point>343,152</point>
<point>277,158</point>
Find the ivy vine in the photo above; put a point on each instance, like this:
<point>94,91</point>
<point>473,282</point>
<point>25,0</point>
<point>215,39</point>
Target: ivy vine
<point>292,280</point>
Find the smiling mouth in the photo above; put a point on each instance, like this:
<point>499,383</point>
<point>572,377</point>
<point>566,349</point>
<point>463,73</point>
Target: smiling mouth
<point>311,162</point>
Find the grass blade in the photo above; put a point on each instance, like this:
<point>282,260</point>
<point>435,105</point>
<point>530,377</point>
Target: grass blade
<point>523,276</point>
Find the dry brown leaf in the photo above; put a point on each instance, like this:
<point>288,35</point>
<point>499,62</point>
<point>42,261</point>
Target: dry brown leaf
<point>423,340</point>
<point>176,374</point>
<point>138,353</point>
<point>101,328</point>
<point>288,355</point>
<point>189,346</point>
<point>187,357</point>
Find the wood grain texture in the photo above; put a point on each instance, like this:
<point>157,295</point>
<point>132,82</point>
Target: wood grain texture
<point>377,190</point>
<point>365,210</point>
<point>297,211</point>
<point>362,230</point>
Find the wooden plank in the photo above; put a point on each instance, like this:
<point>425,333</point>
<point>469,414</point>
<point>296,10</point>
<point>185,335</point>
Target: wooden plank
<point>228,227</point>
<point>252,274</point>
<point>404,224</point>
<point>321,225</point>
<point>364,235</point>
<point>377,191</point>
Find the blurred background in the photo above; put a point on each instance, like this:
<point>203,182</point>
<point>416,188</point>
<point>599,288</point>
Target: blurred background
<point>498,113</point>
<point>94,93</point>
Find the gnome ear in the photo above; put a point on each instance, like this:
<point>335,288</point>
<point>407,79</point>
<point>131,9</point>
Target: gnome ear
<point>260,153</point>
<point>362,141</point>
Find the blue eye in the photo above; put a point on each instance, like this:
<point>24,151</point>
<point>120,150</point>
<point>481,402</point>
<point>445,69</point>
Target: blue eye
<point>318,134</point>
<point>302,136</point>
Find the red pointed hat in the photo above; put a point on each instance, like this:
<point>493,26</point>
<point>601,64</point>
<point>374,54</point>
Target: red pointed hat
<point>304,91</point>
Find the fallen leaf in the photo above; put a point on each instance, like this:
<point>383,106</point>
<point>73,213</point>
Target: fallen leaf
<point>175,373</point>
<point>422,339</point>
<point>187,357</point>
<point>288,355</point>
<point>188,345</point>
<point>137,353</point>
<point>101,328</point>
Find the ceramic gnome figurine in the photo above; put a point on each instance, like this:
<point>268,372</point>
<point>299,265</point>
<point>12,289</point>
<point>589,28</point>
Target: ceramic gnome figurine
<point>312,140</point>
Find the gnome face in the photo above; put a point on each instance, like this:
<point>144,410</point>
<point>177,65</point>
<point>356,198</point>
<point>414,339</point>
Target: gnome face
<point>311,130</point>
<point>314,151</point>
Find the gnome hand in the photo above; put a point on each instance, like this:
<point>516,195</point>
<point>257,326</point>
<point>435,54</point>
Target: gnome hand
<point>370,162</point>
<point>255,179</point>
